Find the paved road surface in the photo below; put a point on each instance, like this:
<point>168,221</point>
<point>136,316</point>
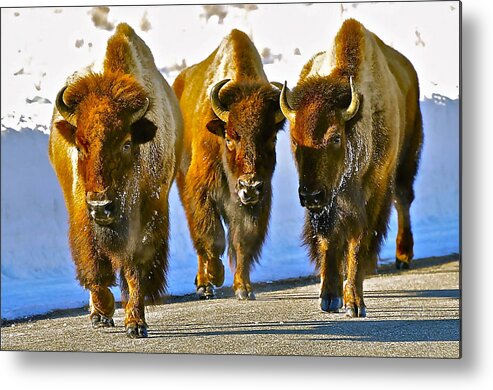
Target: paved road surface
<point>413,313</point>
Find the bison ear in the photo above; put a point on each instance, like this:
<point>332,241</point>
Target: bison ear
<point>143,131</point>
<point>66,130</point>
<point>216,126</point>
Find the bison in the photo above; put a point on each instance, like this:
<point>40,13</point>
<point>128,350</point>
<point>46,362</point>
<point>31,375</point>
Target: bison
<point>231,118</point>
<point>114,141</point>
<point>356,135</point>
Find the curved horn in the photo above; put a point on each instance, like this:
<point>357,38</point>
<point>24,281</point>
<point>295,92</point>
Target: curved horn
<point>64,110</point>
<point>277,85</point>
<point>288,112</point>
<point>221,112</point>
<point>279,115</point>
<point>140,113</point>
<point>354,106</point>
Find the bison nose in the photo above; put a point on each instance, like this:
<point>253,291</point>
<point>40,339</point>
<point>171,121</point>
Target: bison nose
<point>311,199</point>
<point>250,190</point>
<point>252,185</point>
<point>100,210</point>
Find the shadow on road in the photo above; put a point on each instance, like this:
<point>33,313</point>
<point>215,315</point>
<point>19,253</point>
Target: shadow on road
<point>390,331</point>
<point>451,293</point>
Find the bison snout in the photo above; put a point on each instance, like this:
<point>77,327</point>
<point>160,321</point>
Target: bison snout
<point>312,199</point>
<point>100,210</point>
<point>250,191</point>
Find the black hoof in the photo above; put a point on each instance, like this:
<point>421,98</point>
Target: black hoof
<point>355,312</point>
<point>99,321</point>
<point>136,331</point>
<point>401,264</point>
<point>205,292</point>
<point>331,305</point>
<point>244,295</point>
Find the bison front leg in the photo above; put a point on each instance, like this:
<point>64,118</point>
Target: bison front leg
<point>353,289</point>
<point>331,276</point>
<point>133,301</point>
<point>207,233</point>
<point>95,273</point>
<point>241,282</point>
<point>102,307</point>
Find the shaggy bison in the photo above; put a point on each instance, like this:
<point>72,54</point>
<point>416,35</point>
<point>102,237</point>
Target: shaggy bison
<point>231,119</point>
<point>113,144</point>
<point>356,137</point>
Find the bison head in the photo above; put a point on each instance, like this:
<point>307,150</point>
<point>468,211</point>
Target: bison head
<point>320,117</point>
<point>247,119</point>
<point>103,119</point>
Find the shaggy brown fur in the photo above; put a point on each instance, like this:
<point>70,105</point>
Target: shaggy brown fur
<point>101,154</point>
<point>350,171</point>
<point>217,155</point>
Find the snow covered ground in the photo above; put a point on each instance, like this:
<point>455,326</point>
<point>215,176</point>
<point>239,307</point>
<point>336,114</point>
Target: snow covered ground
<point>50,43</point>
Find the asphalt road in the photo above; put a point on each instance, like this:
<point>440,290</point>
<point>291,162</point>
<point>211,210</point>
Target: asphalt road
<point>412,313</point>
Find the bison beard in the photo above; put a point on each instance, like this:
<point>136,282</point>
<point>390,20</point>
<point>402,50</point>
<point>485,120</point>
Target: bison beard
<point>323,221</point>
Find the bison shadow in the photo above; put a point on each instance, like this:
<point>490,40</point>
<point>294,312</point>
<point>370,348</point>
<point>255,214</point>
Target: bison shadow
<point>389,331</point>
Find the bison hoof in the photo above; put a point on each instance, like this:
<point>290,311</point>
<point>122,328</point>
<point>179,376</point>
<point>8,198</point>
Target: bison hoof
<point>356,311</point>
<point>99,321</point>
<point>244,295</point>
<point>401,264</point>
<point>205,292</point>
<point>135,331</point>
<point>331,305</point>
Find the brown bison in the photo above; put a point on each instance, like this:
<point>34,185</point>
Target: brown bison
<point>113,144</point>
<point>356,136</point>
<point>231,117</point>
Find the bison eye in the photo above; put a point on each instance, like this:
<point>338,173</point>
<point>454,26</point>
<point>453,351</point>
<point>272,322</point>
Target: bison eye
<point>229,143</point>
<point>336,139</point>
<point>127,146</point>
<point>80,153</point>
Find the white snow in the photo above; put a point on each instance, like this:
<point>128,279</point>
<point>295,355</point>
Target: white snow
<point>36,267</point>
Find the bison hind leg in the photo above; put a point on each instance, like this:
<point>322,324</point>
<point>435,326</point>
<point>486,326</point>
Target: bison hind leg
<point>215,271</point>
<point>404,192</point>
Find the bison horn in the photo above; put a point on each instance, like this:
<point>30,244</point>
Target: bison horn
<point>279,115</point>
<point>221,112</point>
<point>64,110</point>
<point>277,84</point>
<point>354,106</point>
<point>140,113</point>
<point>288,112</point>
